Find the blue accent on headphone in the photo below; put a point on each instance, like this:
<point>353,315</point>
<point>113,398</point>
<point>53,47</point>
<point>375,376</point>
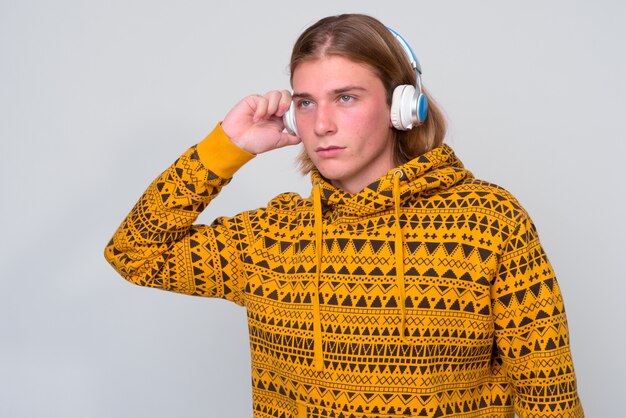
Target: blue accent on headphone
<point>422,108</point>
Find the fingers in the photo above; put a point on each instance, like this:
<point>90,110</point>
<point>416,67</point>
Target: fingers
<point>284,103</point>
<point>273,103</point>
<point>255,124</point>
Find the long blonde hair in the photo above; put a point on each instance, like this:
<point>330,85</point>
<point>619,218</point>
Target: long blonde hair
<point>364,39</point>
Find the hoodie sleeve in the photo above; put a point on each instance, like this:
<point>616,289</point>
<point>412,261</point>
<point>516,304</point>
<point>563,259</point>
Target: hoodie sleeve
<point>157,244</point>
<point>531,329</point>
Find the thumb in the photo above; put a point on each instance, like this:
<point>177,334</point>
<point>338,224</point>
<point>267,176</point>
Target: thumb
<point>287,139</point>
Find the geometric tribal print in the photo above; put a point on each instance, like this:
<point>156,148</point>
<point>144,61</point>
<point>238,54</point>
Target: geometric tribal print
<point>469,322</point>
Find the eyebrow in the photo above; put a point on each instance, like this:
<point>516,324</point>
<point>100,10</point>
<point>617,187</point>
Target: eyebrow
<point>305,95</point>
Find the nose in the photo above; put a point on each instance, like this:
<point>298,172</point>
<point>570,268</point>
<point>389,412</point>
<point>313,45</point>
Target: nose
<point>324,120</point>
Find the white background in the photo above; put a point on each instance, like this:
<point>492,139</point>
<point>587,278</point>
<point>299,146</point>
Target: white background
<point>98,97</point>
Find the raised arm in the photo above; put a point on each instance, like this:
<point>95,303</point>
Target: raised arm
<point>158,245</point>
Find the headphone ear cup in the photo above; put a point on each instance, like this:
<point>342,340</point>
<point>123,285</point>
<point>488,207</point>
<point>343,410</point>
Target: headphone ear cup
<point>289,120</point>
<point>402,104</point>
<point>422,108</point>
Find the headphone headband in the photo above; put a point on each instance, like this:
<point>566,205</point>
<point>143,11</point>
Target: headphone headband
<point>407,50</point>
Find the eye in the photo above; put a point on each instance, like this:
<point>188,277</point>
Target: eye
<point>346,98</point>
<point>304,103</point>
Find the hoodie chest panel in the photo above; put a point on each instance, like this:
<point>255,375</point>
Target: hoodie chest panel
<point>448,333</point>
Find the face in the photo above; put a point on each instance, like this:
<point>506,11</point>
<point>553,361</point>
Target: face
<point>343,121</point>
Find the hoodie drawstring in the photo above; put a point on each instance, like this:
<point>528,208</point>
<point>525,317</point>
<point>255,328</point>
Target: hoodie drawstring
<point>399,248</point>
<point>318,355</point>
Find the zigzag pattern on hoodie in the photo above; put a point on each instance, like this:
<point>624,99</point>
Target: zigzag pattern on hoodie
<point>484,331</point>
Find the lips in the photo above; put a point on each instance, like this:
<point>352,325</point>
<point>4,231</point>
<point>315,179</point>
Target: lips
<point>329,151</point>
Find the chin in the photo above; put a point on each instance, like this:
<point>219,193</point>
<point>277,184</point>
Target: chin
<point>330,173</point>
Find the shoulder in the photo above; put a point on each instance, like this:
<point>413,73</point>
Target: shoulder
<point>488,198</point>
<point>283,211</point>
<point>289,202</point>
<point>290,205</point>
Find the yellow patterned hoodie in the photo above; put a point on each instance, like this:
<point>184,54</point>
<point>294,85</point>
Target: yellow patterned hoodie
<point>425,295</point>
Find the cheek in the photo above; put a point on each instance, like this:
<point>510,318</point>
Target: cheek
<point>373,124</point>
<point>308,144</point>
<point>360,123</point>
<point>304,121</point>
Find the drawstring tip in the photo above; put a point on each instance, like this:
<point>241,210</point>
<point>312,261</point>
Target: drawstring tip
<point>403,328</point>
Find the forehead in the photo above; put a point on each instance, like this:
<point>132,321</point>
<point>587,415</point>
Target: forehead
<point>333,72</point>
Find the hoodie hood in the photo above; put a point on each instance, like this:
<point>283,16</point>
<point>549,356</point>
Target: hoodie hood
<point>430,173</point>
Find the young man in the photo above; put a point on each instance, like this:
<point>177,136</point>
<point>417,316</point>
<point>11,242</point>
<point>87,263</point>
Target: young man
<point>402,287</point>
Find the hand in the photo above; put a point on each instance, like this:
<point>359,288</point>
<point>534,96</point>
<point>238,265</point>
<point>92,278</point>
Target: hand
<point>255,124</point>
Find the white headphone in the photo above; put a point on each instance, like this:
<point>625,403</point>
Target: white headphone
<point>409,105</point>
